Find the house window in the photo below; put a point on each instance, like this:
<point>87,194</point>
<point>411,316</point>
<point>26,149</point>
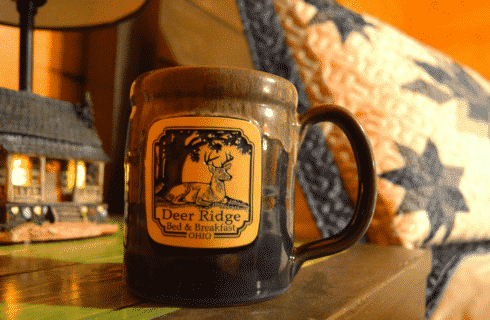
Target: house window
<point>3,177</point>
<point>81,174</point>
<point>20,171</point>
<point>25,171</point>
<point>68,175</point>
<point>3,168</point>
<point>92,174</point>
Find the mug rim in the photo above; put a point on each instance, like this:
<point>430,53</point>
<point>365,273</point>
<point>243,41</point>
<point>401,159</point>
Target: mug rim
<point>213,82</point>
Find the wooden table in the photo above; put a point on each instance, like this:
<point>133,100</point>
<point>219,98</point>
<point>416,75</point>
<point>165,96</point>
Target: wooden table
<point>83,280</point>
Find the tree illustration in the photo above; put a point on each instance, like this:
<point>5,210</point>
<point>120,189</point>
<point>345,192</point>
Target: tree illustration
<point>173,148</point>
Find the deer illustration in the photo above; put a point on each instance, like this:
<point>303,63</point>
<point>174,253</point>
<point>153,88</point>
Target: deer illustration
<point>200,193</point>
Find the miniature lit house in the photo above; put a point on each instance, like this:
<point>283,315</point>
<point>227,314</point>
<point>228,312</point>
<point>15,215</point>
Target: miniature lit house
<point>51,160</point>
<point>51,165</point>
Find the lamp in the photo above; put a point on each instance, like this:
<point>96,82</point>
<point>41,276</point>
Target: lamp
<point>59,14</point>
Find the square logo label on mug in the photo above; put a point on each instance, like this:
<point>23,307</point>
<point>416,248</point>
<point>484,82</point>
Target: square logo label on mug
<point>203,182</point>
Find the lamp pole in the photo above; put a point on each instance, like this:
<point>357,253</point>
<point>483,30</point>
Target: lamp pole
<point>27,10</point>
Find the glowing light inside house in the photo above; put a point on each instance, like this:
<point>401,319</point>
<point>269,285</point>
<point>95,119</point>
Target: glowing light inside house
<point>81,174</point>
<point>20,171</point>
<point>70,175</point>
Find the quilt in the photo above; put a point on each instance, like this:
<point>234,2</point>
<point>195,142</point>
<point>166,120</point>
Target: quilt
<point>426,115</point>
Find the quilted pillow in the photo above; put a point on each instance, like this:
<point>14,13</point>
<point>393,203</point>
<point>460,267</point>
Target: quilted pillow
<point>426,115</point>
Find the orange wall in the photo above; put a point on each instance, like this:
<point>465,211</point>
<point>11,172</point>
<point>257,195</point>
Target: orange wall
<point>9,59</point>
<point>56,64</point>
<point>459,28</point>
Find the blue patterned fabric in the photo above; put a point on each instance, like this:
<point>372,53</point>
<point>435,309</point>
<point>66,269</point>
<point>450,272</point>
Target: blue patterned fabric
<point>430,186</point>
<point>317,173</point>
<point>346,21</point>
<point>267,44</point>
<point>320,181</point>
<point>461,86</point>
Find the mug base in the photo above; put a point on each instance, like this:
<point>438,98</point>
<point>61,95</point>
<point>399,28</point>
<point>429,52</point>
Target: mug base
<point>173,301</point>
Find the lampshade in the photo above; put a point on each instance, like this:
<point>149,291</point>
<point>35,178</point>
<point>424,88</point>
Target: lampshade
<point>73,14</point>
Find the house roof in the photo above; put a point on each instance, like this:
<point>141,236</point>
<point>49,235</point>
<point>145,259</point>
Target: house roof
<point>32,124</point>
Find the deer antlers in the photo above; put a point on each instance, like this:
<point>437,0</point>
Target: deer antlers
<point>229,157</point>
<point>208,159</point>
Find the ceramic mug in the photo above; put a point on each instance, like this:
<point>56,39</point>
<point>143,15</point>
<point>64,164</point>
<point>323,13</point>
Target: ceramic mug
<point>209,186</point>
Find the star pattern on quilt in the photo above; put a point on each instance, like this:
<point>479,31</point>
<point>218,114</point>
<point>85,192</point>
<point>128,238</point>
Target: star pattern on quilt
<point>430,186</point>
<point>346,21</point>
<point>453,82</point>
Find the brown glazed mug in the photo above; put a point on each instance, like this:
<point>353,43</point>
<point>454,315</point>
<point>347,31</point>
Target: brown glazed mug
<point>210,172</point>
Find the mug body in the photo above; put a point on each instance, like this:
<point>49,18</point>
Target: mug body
<point>209,174</point>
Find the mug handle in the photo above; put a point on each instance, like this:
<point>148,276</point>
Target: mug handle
<point>366,194</point>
